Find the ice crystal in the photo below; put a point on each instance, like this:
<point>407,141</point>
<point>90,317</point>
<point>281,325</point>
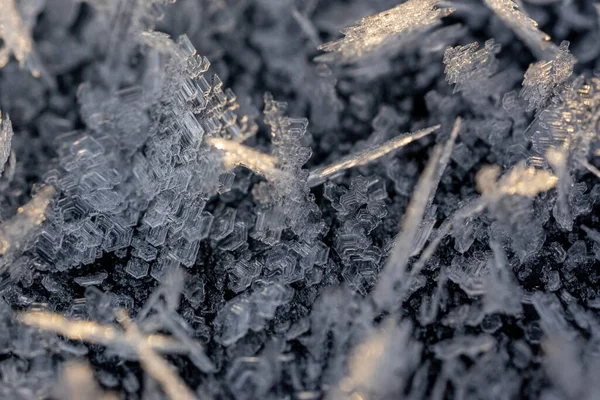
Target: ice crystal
<point>402,23</point>
<point>545,79</point>
<point>467,67</point>
<point>320,174</point>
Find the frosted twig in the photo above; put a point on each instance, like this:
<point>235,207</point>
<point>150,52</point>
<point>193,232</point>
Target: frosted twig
<point>445,157</point>
<point>396,264</point>
<point>307,27</point>
<point>321,174</point>
<point>235,154</point>
<point>524,27</point>
<point>421,200</point>
<point>371,33</point>
<point>156,366</point>
<point>592,234</point>
<point>92,332</point>
<point>590,167</point>
<point>143,345</point>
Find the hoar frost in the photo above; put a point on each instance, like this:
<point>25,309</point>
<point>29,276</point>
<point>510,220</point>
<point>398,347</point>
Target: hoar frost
<point>198,204</point>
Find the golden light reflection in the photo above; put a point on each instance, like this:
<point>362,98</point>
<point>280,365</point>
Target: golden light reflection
<point>145,346</point>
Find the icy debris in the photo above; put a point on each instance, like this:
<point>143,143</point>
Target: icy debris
<point>15,32</point>
<point>93,279</point>
<point>524,27</point>
<point>566,125</point>
<point>470,346</point>
<point>250,310</point>
<point>360,210</point>
<point>307,27</point>
<point>565,133</point>
<point>6,134</point>
<point>163,141</point>
<point>320,174</point>
<point>591,233</point>
<point>402,23</point>
<point>155,365</point>
<point>467,67</point>
<point>563,210</point>
<point>592,168</point>
<point>438,40</point>
<point>430,305</point>
<point>521,182</point>
<point>546,79</point>
<point>469,274</point>
<point>251,377</point>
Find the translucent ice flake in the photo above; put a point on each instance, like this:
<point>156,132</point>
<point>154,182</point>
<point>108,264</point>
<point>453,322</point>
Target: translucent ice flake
<point>250,310</point>
<point>93,279</point>
<point>321,174</point>
<point>524,27</point>
<point>137,268</point>
<point>402,23</point>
